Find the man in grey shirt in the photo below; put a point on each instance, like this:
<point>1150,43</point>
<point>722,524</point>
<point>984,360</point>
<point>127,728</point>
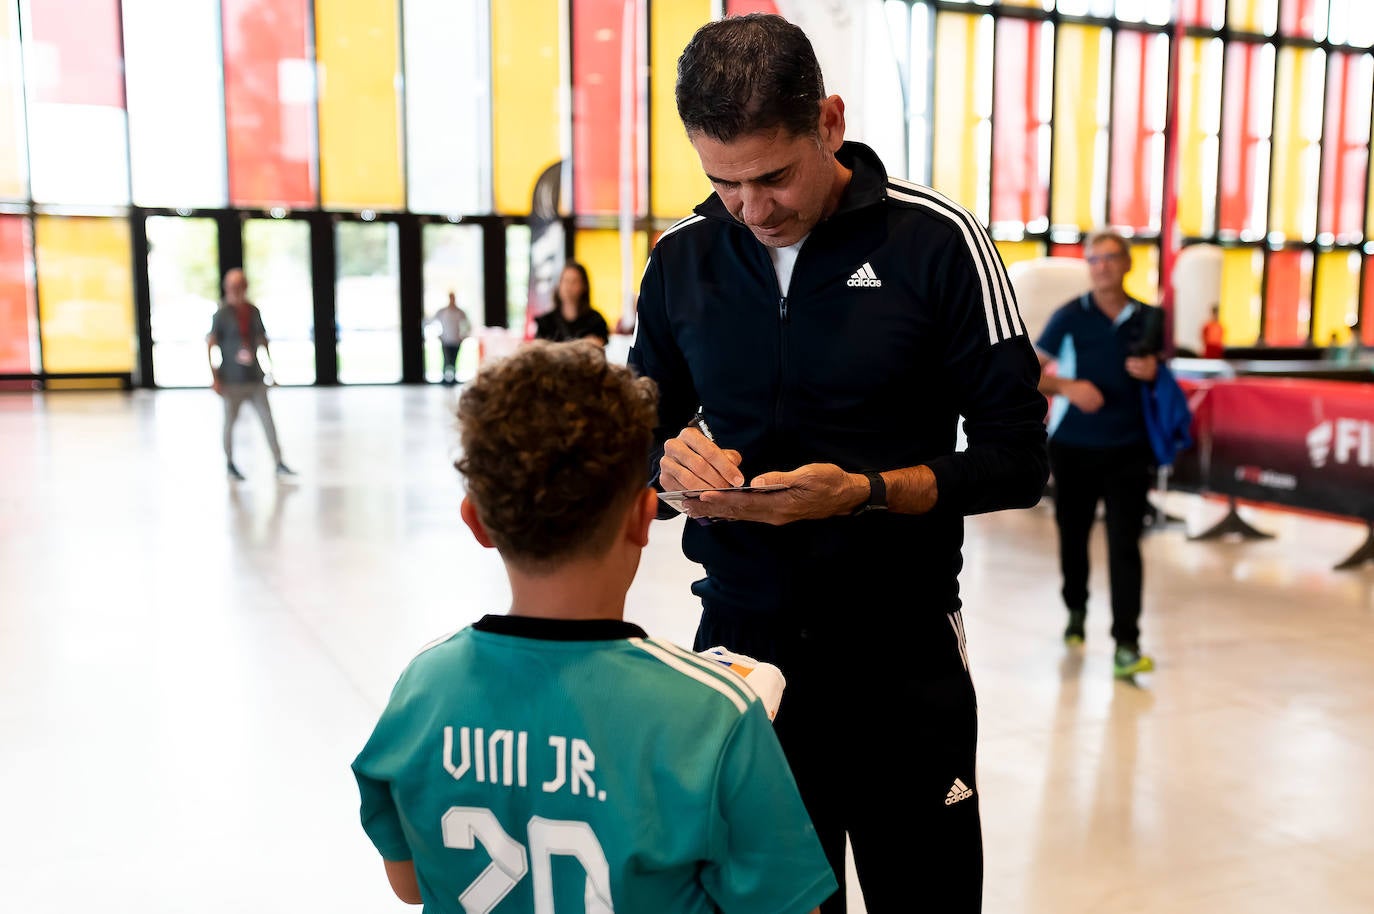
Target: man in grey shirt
<point>237,331</point>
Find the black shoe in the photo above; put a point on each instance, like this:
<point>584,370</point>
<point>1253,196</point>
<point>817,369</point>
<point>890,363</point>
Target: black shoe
<point>284,470</point>
<point>233,472</point>
<point>1073,632</point>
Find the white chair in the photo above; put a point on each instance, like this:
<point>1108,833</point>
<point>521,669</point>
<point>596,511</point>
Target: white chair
<point>1043,284</point>
<point>1196,283</point>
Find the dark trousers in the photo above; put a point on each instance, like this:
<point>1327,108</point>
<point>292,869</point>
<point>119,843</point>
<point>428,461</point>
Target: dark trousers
<point>450,359</point>
<point>876,736</point>
<point>1119,477</point>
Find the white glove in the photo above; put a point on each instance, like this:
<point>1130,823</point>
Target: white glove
<point>764,679</point>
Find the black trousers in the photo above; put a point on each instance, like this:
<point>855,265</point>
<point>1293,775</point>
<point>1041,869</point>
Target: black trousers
<point>881,736</point>
<point>1119,477</point>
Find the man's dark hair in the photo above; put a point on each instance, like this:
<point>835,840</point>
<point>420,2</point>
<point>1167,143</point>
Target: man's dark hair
<point>555,443</point>
<point>749,74</point>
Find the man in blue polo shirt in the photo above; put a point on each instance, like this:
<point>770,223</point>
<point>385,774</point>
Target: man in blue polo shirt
<point>1104,345</point>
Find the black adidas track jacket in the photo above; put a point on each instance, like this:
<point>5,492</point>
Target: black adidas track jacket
<point>899,319</point>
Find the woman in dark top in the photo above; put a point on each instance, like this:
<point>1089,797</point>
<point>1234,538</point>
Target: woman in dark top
<point>572,317</point>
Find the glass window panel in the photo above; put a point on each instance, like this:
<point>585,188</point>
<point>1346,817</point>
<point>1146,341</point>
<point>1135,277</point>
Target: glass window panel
<point>1138,114</point>
<point>1156,12</point>
<point>1072,7</point>
<point>276,259</point>
<point>75,82</point>
<point>1206,13</point>
<point>963,105</point>
<point>1142,281</point>
<point>269,103</point>
<point>1297,148</point>
<point>517,276</point>
<point>918,94</point>
<point>1080,126</point>
<point>1258,16</point>
<point>606,117</point>
<point>1336,301</point>
<point>17,350</point>
<point>1241,269</point>
<point>367,301</point>
<point>1199,116</point>
<point>1248,112</point>
<point>1345,147</point>
<point>614,282</point>
<point>356,46</point>
<point>1018,251</point>
<point>528,119</point>
<point>741,7</point>
<point>1020,130</point>
<point>453,263</point>
<point>1304,18</point>
<point>879,111</point>
<point>676,181</point>
<point>1351,22</point>
<point>1367,304</point>
<point>448,106</point>
<point>14,176</point>
<point>1288,298</point>
<point>85,294</point>
<point>184,289</point>
<point>176,125</point>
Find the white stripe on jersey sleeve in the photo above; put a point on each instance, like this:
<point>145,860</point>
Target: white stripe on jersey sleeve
<point>709,679</point>
<point>714,666</point>
<point>999,304</point>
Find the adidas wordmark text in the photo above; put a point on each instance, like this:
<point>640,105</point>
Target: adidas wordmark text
<point>864,277</point>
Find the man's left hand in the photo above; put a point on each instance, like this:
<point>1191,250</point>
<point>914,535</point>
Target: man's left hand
<point>1142,367</point>
<point>813,491</point>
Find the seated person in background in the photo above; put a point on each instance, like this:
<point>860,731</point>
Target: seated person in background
<point>556,756</point>
<point>572,317</point>
<point>1213,336</point>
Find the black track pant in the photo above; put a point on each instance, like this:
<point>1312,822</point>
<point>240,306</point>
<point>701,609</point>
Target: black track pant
<point>881,737</point>
<point>1121,478</point>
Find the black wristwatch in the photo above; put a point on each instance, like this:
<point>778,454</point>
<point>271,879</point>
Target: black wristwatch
<point>877,495</point>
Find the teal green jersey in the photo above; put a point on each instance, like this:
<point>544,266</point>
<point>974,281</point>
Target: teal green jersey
<point>542,766</point>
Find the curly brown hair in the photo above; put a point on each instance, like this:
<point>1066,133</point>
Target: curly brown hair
<point>555,444</point>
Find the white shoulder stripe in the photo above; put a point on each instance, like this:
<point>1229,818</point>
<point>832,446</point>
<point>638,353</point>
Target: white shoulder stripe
<point>680,224</point>
<point>691,671</point>
<point>714,666</point>
<point>999,302</point>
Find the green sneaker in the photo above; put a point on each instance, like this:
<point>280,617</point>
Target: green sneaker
<point>1074,634</point>
<point>1129,661</point>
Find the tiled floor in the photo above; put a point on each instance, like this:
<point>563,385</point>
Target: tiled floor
<point>187,667</point>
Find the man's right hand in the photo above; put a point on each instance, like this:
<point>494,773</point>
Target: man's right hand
<point>216,386</point>
<point>1083,394</point>
<point>693,461</point>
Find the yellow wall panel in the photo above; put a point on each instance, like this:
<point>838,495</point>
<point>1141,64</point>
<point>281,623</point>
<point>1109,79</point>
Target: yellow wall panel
<point>599,251</point>
<point>954,169</point>
<point>678,183</point>
<point>1297,126</point>
<point>1143,280</point>
<point>1258,16</point>
<point>1336,301</point>
<point>526,111</point>
<point>360,142</point>
<point>1195,143</point>
<point>85,293</point>
<point>1241,270</point>
<point>1017,251</point>
<point>1078,74</point>
<point>12,184</point>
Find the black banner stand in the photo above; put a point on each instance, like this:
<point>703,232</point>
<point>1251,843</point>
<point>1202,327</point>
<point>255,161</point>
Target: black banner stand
<point>1361,555</point>
<point>1232,525</point>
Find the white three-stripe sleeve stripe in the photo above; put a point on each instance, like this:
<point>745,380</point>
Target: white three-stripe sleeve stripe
<point>714,666</point>
<point>680,224</point>
<point>957,623</point>
<point>692,671</point>
<point>992,262</point>
<point>997,292</point>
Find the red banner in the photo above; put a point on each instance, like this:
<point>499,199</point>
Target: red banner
<point>1305,444</point>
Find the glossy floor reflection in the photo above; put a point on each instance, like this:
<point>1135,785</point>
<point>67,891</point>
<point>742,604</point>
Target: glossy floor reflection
<point>188,666</point>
